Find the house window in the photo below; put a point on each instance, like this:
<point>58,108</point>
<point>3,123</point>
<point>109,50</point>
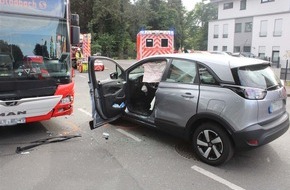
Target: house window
<point>215,48</point>
<point>266,1</point>
<point>275,56</point>
<point>278,27</point>
<point>149,42</point>
<point>225,31</point>
<point>238,27</point>
<point>225,48</point>
<point>228,5</point>
<point>263,28</point>
<point>248,26</point>
<point>261,53</point>
<point>243,4</point>
<point>237,49</point>
<point>247,48</point>
<point>164,42</point>
<point>216,31</point>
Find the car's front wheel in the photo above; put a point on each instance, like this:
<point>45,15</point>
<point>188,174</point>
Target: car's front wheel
<point>212,144</point>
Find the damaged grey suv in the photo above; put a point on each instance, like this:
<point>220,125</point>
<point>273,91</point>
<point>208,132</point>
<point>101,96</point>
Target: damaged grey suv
<point>218,103</point>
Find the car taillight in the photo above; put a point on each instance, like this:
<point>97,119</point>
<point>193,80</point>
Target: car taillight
<point>248,92</point>
<point>255,93</point>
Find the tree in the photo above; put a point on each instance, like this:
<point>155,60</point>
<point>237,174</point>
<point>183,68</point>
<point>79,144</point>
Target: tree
<point>179,22</point>
<point>168,16</point>
<point>11,48</point>
<point>119,21</point>
<point>107,44</point>
<point>111,18</point>
<point>139,16</point>
<point>84,9</point>
<point>197,25</point>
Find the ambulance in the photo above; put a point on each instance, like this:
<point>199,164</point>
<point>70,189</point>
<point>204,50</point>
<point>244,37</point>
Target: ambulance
<point>154,42</point>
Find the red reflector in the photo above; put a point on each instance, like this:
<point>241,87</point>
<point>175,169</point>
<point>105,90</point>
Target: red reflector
<point>253,142</point>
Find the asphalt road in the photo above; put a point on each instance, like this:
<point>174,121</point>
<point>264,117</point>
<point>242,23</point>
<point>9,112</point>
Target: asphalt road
<point>132,158</point>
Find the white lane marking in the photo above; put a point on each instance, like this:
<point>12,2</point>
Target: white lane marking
<point>129,135</point>
<point>216,178</point>
<point>82,76</point>
<point>85,112</point>
<point>119,130</point>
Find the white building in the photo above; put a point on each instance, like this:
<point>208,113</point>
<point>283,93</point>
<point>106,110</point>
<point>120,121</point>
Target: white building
<point>261,27</point>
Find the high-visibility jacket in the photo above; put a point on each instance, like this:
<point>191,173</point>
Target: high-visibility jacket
<point>79,55</point>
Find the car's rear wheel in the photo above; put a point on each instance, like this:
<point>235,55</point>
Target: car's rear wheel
<point>212,144</point>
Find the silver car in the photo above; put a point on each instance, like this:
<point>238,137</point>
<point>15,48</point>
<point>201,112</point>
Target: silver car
<point>218,103</point>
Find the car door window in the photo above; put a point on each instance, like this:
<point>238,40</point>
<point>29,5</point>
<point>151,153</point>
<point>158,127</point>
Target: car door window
<point>205,76</point>
<point>136,73</point>
<point>153,71</point>
<point>182,71</point>
<point>142,84</point>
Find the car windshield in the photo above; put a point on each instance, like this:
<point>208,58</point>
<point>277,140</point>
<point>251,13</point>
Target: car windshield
<point>258,76</point>
<point>30,46</point>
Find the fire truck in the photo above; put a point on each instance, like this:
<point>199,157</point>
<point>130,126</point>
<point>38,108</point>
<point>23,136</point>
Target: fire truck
<point>85,48</point>
<point>35,62</point>
<point>152,42</point>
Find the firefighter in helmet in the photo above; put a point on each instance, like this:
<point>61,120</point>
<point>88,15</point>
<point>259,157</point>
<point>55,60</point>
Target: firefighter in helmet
<point>79,56</point>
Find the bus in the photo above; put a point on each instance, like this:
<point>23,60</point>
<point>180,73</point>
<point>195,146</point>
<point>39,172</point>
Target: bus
<point>36,76</point>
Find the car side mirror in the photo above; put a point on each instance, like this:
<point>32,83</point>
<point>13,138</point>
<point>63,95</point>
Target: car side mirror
<point>114,75</point>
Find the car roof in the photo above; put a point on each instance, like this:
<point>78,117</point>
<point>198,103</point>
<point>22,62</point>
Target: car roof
<point>220,64</point>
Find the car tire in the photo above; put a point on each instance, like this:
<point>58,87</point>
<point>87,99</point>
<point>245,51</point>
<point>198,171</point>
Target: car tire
<point>212,144</point>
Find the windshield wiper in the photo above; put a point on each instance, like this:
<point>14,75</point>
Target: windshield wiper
<point>45,141</point>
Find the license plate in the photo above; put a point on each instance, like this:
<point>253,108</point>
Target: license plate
<point>8,122</point>
<point>276,106</point>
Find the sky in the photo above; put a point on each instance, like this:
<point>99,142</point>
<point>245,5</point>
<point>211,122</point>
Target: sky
<point>189,4</point>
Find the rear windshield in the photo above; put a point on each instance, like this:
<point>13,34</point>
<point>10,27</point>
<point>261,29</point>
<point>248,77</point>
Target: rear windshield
<point>258,76</point>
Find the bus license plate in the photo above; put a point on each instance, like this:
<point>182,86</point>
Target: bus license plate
<point>7,122</point>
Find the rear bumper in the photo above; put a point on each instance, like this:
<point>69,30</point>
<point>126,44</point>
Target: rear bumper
<point>260,134</point>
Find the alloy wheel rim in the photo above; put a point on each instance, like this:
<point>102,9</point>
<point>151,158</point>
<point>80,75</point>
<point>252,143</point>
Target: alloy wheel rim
<point>210,145</point>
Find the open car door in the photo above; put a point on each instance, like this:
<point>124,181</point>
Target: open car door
<point>107,87</point>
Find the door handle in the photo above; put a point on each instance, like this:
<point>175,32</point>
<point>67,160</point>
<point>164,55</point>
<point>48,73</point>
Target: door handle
<point>187,95</point>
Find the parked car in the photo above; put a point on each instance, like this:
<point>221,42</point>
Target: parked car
<point>244,54</point>
<point>221,52</point>
<point>218,103</point>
